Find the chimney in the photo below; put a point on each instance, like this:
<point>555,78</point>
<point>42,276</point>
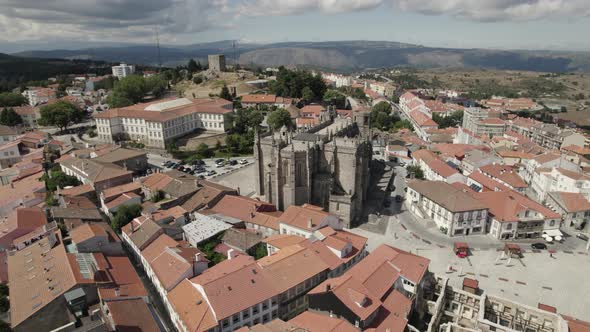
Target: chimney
<point>132,226</point>
<point>230,254</point>
<point>328,287</point>
<point>117,292</point>
<point>198,257</point>
<point>309,223</point>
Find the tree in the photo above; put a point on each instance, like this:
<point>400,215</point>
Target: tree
<point>9,99</point>
<point>290,83</point>
<point>192,66</point>
<point>198,79</point>
<point>203,151</point>
<point>124,215</point>
<point>307,95</point>
<point>279,118</point>
<point>225,94</point>
<point>453,120</point>
<point>335,97</point>
<point>416,171</point>
<point>382,107</point>
<point>158,196</point>
<point>131,89</point>
<point>9,117</point>
<point>60,114</point>
<point>57,178</point>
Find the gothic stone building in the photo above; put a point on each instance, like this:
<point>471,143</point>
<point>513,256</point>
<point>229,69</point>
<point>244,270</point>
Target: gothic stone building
<point>327,166</point>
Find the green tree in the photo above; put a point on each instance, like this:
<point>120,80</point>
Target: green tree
<point>57,178</point>
<point>158,196</point>
<point>9,117</point>
<point>307,95</point>
<point>124,215</point>
<point>192,66</point>
<point>335,97</point>
<point>198,79</point>
<point>225,94</point>
<point>132,89</point>
<point>203,151</point>
<point>259,251</point>
<point>9,99</point>
<point>60,114</point>
<point>155,85</point>
<point>290,83</point>
<point>453,120</point>
<point>416,171</point>
<point>382,107</point>
<point>279,118</point>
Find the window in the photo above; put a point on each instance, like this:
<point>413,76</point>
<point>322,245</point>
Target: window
<point>256,321</point>
<point>509,226</point>
<point>246,314</point>
<point>264,306</point>
<point>552,223</point>
<point>236,318</point>
<point>225,322</point>
<point>255,309</point>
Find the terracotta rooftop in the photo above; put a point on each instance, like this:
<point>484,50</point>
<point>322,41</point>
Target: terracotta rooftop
<point>316,322</point>
<point>192,307</point>
<point>207,195</point>
<point>506,206</point>
<point>248,210</point>
<point>300,216</point>
<point>77,191</point>
<point>504,173</point>
<point>110,193</point>
<point>132,315</point>
<point>87,231</point>
<point>571,202</point>
<point>93,170</point>
<point>446,195</point>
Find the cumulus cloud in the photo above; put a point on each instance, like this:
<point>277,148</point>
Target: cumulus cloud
<point>499,10</point>
<point>104,18</point>
<point>477,10</point>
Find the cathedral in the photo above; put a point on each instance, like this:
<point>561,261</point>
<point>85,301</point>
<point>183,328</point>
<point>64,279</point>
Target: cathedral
<point>327,165</point>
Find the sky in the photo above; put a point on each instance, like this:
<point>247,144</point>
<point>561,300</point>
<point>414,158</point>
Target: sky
<point>503,24</point>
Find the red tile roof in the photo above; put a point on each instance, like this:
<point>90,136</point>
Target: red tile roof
<point>505,206</point>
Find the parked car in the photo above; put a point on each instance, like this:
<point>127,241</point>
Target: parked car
<point>582,236</point>
<point>243,162</point>
<point>198,162</point>
<point>211,173</point>
<point>180,168</point>
<point>220,160</point>
<point>201,177</point>
<point>173,165</point>
<point>581,226</point>
<point>200,170</point>
<point>539,246</point>
<point>233,162</point>
<point>218,165</point>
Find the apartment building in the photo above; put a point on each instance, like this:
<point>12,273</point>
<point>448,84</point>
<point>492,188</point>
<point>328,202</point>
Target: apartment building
<point>257,215</point>
<point>156,123</point>
<point>546,180</point>
<point>573,207</point>
<point>543,161</point>
<point>550,136</point>
<point>435,169</point>
<point>483,122</point>
<point>514,216</point>
<point>505,175</point>
<point>123,70</point>
<point>453,210</point>
<point>39,95</point>
<point>99,175</point>
<point>304,220</point>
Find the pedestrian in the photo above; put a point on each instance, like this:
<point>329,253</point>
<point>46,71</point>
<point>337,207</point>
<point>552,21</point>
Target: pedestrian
<point>551,254</point>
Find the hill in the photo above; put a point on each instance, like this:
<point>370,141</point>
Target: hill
<point>339,55</point>
<point>18,70</point>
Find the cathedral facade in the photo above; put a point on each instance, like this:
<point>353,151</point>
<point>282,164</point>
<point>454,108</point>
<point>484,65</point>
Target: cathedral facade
<point>327,166</point>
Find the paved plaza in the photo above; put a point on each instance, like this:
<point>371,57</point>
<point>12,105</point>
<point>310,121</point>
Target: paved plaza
<point>561,281</point>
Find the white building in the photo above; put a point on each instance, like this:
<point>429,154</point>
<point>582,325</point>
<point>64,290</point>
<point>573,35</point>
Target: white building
<point>156,123</point>
<point>454,211</point>
<point>123,70</point>
<point>546,180</point>
<point>573,207</point>
<point>38,95</point>
<point>547,160</point>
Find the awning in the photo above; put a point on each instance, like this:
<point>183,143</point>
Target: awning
<point>553,232</point>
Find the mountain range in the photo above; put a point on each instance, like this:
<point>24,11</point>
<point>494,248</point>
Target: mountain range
<point>337,55</point>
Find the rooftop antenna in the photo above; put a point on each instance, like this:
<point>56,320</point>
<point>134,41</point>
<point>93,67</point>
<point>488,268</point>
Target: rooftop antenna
<point>158,47</point>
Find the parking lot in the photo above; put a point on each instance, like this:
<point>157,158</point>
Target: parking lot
<point>210,169</point>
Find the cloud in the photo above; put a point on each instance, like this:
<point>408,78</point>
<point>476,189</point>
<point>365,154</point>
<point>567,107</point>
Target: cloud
<point>293,7</point>
<point>476,10</point>
<point>499,10</point>
<point>113,19</point>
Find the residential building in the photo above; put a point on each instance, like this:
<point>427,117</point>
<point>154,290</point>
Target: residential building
<point>203,228</point>
<point>99,175</point>
<point>123,70</point>
<point>543,161</point>
<point>9,154</point>
<point>29,114</point>
<point>514,216</point>
<point>264,100</point>
<point>96,237</point>
<point>435,169</point>
<point>257,215</point>
<point>306,219</point>
<point>574,208</point>
<point>454,210</point>
<point>26,191</point>
<point>19,223</point>
<point>546,180</point>
<point>509,104</point>
<point>550,136</point>
<point>483,122</point>
<point>133,160</point>
<point>505,175</point>
<point>397,153</point>
<point>157,123</point>
<point>208,195</point>
<point>177,187</point>
<point>380,292</point>
<point>39,95</point>
<point>475,159</point>
<point>113,198</point>
<point>132,315</point>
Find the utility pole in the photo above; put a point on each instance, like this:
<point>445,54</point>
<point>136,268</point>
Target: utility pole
<point>235,58</point>
<point>158,47</point>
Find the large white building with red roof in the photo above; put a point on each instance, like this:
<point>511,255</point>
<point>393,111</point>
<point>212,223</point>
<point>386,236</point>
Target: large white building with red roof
<point>158,122</point>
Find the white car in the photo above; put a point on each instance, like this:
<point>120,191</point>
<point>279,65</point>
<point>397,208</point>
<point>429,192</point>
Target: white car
<point>243,162</point>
